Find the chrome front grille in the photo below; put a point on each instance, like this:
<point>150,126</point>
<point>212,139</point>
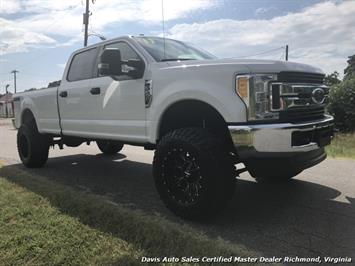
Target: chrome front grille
<point>289,95</point>
<point>301,114</point>
<point>298,96</point>
<point>300,77</point>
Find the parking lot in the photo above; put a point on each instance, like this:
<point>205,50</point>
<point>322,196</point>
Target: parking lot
<point>314,215</point>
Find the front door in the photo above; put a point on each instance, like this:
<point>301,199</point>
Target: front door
<point>120,105</point>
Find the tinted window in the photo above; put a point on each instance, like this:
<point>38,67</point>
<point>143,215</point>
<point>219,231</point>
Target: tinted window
<point>170,49</point>
<point>126,51</point>
<point>82,65</point>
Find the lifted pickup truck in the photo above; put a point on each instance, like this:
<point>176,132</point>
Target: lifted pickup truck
<point>201,115</point>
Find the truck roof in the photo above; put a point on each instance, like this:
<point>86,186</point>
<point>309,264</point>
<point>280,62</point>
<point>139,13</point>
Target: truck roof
<point>103,42</point>
<point>127,37</point>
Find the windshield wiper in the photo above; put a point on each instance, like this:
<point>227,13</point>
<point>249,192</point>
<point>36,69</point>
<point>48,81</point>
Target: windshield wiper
<point>175,59</point>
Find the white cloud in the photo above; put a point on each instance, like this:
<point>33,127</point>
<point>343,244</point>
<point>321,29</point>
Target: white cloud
<point>15,38</point>
<point>45,19</point>
<point>321,35</point>
<point>9,6</point>
<point>263,10</point>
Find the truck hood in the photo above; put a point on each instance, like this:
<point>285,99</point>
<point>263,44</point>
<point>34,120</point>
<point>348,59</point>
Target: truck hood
<point>254,65</point>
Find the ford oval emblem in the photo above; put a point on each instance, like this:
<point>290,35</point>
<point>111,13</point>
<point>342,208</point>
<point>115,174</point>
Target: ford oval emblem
<point>318,95</point>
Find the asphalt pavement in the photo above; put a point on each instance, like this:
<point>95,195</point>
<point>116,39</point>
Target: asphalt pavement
<point>313,215</point>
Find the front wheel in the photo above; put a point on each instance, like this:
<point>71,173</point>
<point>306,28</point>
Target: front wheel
<point>193,173</point>
<point>109,147</point>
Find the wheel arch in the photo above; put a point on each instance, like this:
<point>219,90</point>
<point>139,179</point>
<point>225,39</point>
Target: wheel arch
<point>27,115</point>
<point>27,110</point>
<point>193,113</point>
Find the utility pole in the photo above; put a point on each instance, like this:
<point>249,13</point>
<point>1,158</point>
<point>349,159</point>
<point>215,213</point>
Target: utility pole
<point>286,52</point>
<point>86,22</point>
<point>86,16</point>
<point>6,92</point>
<point>14,72</point>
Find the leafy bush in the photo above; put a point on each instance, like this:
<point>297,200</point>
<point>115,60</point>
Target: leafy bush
<point>342,104</point>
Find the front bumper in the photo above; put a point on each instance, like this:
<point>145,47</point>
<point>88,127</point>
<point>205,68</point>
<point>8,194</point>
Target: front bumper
<point>281,140</point>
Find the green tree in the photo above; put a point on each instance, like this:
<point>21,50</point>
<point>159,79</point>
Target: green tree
<point>342,104</point>
<point>349,71</point>
<point>332,79</point>
<point>342,97</point>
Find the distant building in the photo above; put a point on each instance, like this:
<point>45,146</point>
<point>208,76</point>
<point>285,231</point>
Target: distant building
<point>6,105</point>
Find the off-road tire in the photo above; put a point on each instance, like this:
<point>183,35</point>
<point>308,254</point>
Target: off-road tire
<point>32,146</point>
<point>213,166</point>
<point>109,147</point>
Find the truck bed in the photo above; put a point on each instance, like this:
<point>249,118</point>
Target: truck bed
<point>44,100</point>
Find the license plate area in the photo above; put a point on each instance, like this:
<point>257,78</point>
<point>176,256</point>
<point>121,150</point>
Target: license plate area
<point>321,136</point>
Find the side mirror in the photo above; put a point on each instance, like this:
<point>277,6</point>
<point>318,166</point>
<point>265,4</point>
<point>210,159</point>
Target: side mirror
<point>110,62</point>
<point>135,68</point>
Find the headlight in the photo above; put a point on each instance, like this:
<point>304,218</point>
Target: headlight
<point>255,92</point>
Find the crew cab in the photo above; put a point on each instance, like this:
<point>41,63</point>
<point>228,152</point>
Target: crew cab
<point>202,116</point>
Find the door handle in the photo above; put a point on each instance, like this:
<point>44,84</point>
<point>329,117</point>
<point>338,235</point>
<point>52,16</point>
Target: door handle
<point>63,94</point>
<point>96,90</point>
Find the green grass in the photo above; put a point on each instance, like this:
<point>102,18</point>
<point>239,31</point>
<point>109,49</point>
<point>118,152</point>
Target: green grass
<point>46,223</point>
<point>343,146</point>
<point>33,232</point>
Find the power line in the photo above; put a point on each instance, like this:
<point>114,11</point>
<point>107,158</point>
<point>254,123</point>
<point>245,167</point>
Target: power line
<point>38,75</point>
<point>30,74</point>
<point>31,60</point>
<point>264,52</point>
<point>282,55</point>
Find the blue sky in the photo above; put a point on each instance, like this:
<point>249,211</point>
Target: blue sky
<point>37,36</point>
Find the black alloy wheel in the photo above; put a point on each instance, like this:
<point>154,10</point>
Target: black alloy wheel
<point>193,172</point>
<point>182,176</point>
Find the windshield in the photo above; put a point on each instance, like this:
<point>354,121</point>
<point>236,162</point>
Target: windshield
<point>174,50</point>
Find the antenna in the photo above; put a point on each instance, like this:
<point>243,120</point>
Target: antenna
<point>162,14</point>
<point>286,56</point>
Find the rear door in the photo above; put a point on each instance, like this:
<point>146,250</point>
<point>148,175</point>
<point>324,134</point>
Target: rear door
<point>76,104</point>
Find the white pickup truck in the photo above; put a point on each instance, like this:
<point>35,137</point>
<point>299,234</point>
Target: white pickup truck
<point>201,115</point>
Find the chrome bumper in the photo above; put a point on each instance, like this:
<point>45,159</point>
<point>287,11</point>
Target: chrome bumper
<point>276,138</point>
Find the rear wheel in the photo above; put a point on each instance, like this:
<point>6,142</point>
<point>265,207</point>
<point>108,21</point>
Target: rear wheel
<point>32,146</point>
<point>193,172</point>
<point>109,147</point>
